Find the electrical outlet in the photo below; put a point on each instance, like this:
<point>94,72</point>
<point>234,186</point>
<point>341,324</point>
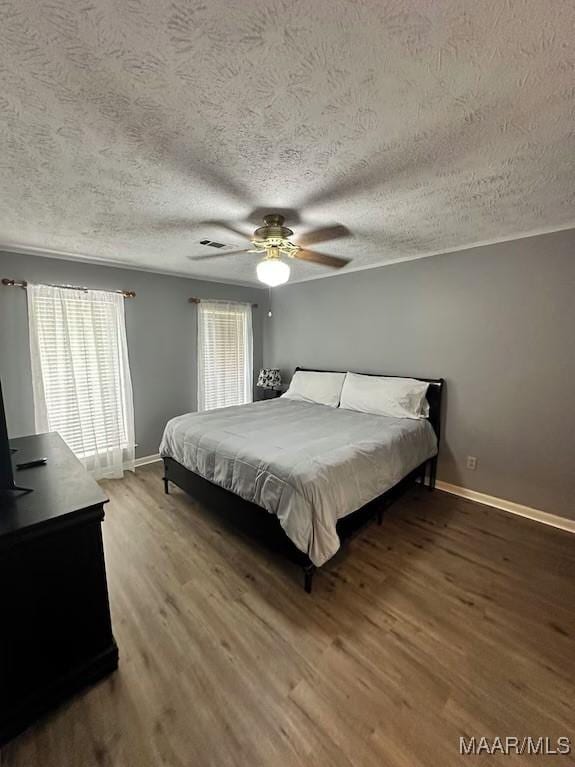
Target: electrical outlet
<point>471,462</point>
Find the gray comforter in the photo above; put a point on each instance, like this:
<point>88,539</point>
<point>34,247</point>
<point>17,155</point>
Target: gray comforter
<point>308,464</point>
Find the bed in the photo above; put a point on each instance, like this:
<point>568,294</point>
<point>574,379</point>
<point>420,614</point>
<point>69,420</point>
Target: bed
<point>302,476</point>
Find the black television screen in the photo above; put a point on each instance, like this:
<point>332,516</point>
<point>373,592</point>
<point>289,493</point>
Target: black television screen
<point>6,471</point>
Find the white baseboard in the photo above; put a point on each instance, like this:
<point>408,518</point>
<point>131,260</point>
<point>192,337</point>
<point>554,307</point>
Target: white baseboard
<point>513,508</point>
<point>146,459</point>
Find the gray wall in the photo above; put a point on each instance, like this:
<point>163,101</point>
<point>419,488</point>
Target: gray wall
<point>161,330</point>
<point>497,322</point>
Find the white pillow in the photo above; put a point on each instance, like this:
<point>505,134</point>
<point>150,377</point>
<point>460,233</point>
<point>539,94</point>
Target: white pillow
<point>396,397</point>
<point>312,386</point>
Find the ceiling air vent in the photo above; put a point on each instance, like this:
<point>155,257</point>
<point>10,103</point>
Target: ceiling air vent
<point>212,244</point>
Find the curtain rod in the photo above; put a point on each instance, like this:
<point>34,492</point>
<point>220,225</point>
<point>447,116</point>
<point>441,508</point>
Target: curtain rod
<point>23,284</point>
<point>219,301</point>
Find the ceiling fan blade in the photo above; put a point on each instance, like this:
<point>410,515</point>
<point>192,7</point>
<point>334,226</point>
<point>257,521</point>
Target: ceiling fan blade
<point>323,234</point>
<point>209,256</point>
<point>322,258</point>
<point>229,227</point>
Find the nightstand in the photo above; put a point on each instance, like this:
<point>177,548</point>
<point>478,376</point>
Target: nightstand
<point>264,394</point>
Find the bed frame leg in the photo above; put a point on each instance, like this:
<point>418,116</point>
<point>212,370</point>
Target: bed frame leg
<point>423,474</point>
<point>432,474</point>
<point>166,485</point>
<point>308,572</point>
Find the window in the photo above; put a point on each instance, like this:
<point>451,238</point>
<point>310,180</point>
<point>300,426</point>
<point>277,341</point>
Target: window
<point>81,376</point>
<point>224,354</point>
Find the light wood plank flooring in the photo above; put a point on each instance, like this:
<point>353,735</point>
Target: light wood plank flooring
<point>450,619</point>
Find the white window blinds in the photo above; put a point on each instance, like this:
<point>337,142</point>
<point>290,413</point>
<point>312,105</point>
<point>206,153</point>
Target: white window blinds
<point>225,367</point>
<point>81,375</point>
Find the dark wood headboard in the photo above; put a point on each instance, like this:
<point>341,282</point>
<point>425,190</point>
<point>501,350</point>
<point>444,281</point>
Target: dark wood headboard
<point>434,393</point>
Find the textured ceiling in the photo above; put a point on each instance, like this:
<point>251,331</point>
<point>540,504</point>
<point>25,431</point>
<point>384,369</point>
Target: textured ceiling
<point>420,125</point>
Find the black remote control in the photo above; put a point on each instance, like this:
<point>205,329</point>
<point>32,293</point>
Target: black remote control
<point>31,464</point>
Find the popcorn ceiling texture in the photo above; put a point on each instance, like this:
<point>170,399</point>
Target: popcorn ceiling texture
<point>420,125</point>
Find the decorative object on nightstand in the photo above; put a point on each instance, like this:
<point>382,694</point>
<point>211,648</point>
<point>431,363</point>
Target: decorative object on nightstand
<point>270,381</point>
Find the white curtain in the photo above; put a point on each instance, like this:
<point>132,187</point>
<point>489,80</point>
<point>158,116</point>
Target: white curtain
<point>81,374</point>
<point>225,357</point>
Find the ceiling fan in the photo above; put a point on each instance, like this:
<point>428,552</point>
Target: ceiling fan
<point>273,241</point>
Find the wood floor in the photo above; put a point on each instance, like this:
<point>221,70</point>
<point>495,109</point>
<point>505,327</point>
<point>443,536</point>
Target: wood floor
<point>449,620</point>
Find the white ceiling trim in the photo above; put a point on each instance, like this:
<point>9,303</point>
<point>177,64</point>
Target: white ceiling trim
<point>8,247</point>
<point>402,259</point>
<point>28,250</point>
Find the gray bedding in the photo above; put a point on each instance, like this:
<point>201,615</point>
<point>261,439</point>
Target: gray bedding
<point>308,464</point>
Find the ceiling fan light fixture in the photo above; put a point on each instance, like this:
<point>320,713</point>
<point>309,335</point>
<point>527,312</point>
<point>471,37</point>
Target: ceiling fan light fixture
<point>272,242</point>
<point>272,272</point>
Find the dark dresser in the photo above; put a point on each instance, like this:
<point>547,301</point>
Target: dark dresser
<point>55,628</point>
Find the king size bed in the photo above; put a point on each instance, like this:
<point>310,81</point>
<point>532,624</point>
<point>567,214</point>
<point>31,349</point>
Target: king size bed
<point>301,471</point>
